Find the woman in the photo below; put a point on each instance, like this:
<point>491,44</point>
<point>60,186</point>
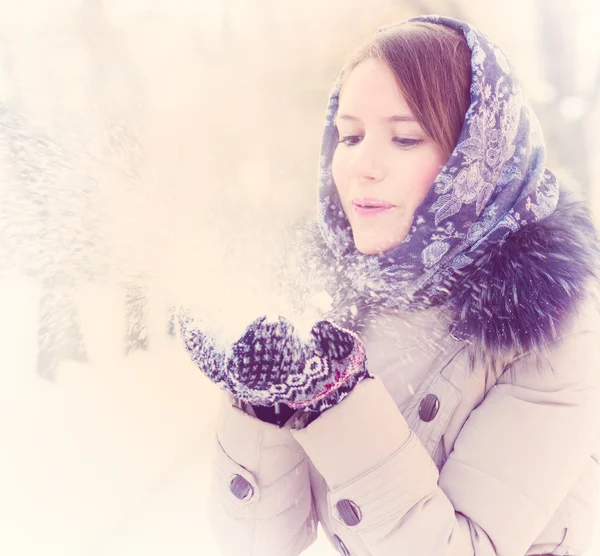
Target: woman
<point>472,425</point>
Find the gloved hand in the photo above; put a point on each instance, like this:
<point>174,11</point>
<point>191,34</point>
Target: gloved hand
<point>270,364</point>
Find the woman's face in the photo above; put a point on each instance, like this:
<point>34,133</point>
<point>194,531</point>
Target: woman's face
<point>384,164</point>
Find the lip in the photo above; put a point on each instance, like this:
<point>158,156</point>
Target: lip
<point>368,206</point>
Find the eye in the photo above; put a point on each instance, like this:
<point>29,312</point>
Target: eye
<point>406,142</point>
<point>350,140</point>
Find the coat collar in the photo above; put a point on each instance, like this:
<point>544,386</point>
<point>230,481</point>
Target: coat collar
<point>523,292</point>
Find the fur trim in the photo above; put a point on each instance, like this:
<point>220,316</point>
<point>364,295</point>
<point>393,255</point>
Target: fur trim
<point>522,293</point>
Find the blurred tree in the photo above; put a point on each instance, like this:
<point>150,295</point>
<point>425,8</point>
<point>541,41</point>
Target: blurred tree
<point>564,116</point>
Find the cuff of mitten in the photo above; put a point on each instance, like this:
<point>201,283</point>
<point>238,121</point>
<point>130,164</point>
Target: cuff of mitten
<point>278,414</point>
<point>313,411</point>
<point>352,437</point>
<point>256,445</point>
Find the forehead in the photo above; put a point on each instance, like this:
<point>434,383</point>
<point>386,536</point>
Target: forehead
<point>371,86</point>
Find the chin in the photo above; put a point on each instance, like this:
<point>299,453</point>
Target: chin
<point>373,246</point>
<point>374,240</point>
<point>368,250</point>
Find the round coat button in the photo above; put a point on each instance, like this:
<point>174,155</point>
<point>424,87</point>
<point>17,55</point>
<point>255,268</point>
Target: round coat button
<point>429,407</point>
<point>241,488</point>
<point>349,512</point>
<point>340,546</point>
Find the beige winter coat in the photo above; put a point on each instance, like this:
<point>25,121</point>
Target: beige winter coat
<point>427,458</point>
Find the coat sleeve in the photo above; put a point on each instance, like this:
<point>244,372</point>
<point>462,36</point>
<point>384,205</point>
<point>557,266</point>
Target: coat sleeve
<point>268,509</point>
<point>514,461</point>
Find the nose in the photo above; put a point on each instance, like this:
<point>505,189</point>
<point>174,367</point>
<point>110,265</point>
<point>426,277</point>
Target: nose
<point>366,163</point>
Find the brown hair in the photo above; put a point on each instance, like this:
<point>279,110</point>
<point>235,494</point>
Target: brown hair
<point>432,67</point>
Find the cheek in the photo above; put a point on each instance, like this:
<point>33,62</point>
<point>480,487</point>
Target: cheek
<point>421,176</point>
<point>339,174</point>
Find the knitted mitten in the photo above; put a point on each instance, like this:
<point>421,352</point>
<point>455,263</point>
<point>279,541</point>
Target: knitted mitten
<point>271,365</point>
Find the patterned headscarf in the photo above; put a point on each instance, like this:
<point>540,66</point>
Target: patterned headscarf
<point>494,183</point>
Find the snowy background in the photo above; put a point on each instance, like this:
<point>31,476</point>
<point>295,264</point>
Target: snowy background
<point>150,155</point>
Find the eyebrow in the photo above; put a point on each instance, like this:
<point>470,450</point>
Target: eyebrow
<point>395,118</point>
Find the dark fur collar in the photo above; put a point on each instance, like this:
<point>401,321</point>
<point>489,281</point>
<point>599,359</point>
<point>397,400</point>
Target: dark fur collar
<point>522,293</point>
